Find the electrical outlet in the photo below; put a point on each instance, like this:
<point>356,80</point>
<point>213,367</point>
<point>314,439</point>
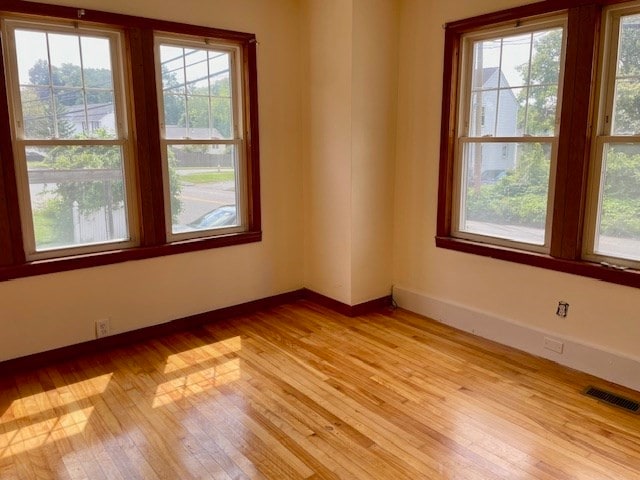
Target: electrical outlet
<point>102,327</point>
<point>553,345</point>
<point>563,309</point>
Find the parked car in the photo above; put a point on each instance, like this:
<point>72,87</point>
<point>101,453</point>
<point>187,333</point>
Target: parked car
<point>224,216</point>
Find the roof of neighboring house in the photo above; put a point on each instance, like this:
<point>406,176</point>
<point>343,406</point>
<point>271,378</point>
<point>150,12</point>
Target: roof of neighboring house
<point>94,112</point>
<point>489,73</point>
<point>176,131</point>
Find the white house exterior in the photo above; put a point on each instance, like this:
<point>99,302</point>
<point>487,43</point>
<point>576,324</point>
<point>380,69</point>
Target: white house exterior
<point>495,95</point>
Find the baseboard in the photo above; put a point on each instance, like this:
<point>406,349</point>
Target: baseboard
<point>49,357</point>
<point>610,366</point>
<point>343,308</point>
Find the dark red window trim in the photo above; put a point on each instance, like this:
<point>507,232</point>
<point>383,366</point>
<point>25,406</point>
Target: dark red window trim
<point>139,43</point>
<point>578,105</point>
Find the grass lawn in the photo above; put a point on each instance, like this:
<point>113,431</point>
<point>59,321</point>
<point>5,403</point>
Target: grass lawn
<point>208,177</point>
<point>45,228</point>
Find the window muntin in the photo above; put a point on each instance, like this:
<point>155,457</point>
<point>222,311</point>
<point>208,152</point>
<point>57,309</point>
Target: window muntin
<point>74,185</point>
<point>613,218</point>
<point>202,137</point>
<point>507,134</point>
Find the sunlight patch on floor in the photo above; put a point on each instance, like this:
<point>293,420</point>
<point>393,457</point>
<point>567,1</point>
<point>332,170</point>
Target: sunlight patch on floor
<point>188,358</point>
<point>39,434</point>
<point>195,383</point>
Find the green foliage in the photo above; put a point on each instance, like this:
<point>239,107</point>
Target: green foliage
<point>38,117</point>
<point>518,198</point>
<point>199,109</point>
<point>174,187</point>
<point>621,197</point>
<point>542,96</point>
<point>626,119</point>
<point>69,75</point>
<point>89,195</point>
<point>627,103</point>
<point>53,219</point>
<point>620,218</point>
<point>53,223</point>
<point>525,209</point>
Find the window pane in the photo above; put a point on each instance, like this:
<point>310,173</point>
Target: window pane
<point>196,93</point>
<point>509,112</point>
<point>71,98</point>
<point>172,67</point>
<point>175,116</point>
<point>483,113</point>
<point>64,51</point>
<point>505,190</point>
<point>77,195</point>
<point>203,187</point>
<point>629,50</point>
<point>197,71</point>
<point>221,113</point>
<point>626,103</point>
<point>626,107</point>
<point>515,66</point>
<point>198,117</point>
<point>69,112</point>
<point>33,66</point>
<point>516,78</point>
<point>542,104</point>
<point>96,63</point>
<point>618,228</point>
<point>37,112</point>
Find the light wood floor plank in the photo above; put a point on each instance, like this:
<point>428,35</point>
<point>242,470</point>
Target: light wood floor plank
<point>301,392</point>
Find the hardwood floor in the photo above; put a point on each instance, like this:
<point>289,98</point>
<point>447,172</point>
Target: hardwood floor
<point>299,391</point>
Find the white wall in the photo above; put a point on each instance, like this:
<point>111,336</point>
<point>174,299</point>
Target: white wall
<point>601,314</point>
<point>327,39</point>
<point>51,311</point>
<point>375,90</point>
<point>350,104</point>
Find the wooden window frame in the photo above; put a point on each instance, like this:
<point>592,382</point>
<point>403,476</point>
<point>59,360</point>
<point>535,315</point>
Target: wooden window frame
<point>603,135</point>
<point>138,39</point>
<point>121,139</point>
<point>464,138</point>
<point>236,139</point>
<point>578,108</point>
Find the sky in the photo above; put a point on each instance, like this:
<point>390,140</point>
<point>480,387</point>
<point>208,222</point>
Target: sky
<point>32,46</point>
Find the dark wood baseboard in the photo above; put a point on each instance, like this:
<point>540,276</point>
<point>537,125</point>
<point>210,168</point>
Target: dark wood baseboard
<point>57,355</point>
<point>49,357</point>
<point>343,308</point>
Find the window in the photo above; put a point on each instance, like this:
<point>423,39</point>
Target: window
<point>201,136</point>
<point>540,140</point>
<point>511,80</point>
<point>73,182</point>
<point>122,138</point>
<point>614,220</point>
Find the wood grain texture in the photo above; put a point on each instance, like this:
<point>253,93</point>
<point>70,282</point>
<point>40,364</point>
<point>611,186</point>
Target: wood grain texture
<point>301,392</point>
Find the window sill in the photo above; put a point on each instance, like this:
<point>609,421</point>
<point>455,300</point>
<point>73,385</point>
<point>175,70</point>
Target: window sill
<point>630,278</point>
<point>63,264</point>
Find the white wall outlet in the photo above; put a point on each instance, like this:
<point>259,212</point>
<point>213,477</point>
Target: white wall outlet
<point>553,345</point>
<point>102,327</point>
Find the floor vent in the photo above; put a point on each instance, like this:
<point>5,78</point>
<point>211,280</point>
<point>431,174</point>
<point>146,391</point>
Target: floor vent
<point>613,399</point>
